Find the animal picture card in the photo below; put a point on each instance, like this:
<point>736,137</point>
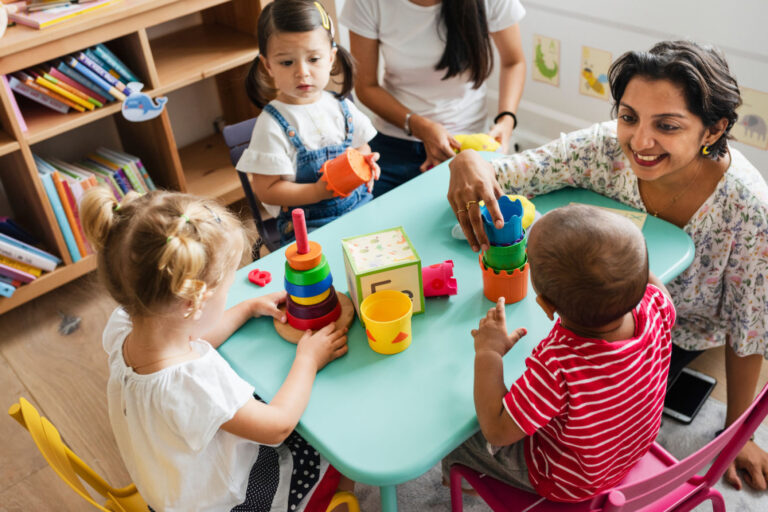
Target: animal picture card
<point>546,60</point>
<point>593,79</point>
<point>752,126</point>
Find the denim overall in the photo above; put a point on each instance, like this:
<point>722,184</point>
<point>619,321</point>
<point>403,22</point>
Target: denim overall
<point>308,165</point>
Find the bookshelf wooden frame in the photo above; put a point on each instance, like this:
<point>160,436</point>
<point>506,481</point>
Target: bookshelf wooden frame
<point>222,46</point>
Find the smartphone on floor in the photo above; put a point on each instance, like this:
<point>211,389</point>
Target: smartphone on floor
<point>687,394</point>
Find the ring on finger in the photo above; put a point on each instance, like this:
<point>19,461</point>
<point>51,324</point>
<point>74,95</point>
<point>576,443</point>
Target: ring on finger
<point>460,210</point>
<point>469,204</point>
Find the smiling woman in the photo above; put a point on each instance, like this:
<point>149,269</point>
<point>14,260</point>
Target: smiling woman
<point>666,154</point>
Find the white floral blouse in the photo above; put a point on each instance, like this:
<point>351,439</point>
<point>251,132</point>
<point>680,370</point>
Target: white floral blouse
<point>725,290</point>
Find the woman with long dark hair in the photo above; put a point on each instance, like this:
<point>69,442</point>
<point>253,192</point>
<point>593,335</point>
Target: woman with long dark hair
<point>437,58</point>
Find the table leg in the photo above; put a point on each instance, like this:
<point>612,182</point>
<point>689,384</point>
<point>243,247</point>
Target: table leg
<point>388,498</point>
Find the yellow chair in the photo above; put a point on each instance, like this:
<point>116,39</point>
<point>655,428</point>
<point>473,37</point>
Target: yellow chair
<point>70,467</point>
<point>74,471</point>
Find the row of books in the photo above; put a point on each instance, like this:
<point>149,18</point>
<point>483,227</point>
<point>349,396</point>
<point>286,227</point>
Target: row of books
<point>44,13</point>
<point>20,261</point>
<point>65,183</point>
<point>82,81</point>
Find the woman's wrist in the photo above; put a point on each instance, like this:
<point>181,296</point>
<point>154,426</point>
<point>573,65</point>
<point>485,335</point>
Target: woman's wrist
<point>504,115</point>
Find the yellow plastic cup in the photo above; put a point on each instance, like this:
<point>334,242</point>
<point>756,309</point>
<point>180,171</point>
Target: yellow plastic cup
<point>387,318</point>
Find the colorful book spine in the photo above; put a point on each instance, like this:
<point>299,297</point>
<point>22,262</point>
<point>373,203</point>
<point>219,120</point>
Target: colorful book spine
<point>103,65</point>
<point>65,203</point>
<point>125,182</point>
<point>85,100</point>
<point>32,82</point>
<point>36,95</point>
<point>77,102</point>
<point>15,232</point>
<point>84,80</point>
<point>39,252</point>
<point>60,214</point>
<point>110,58</point>
<point>14,105</point>
<point>13,282</point>
<point>80,66</point>
<point>6,289</point>
<point>13,273</point>
<point>94,98</point>
<point>29,269</point>
<point>107,174</point>
<point>22,255</point>
<point>77,65</point>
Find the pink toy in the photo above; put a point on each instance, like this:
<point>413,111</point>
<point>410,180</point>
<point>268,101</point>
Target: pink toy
<point>438,279</point>
<point>259,277</point>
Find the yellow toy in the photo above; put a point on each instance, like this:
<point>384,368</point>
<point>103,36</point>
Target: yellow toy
<point>529,210</point>
<point>476,141</point>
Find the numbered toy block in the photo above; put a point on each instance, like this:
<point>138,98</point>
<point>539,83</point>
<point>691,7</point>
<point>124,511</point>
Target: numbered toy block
<point>385,260</point>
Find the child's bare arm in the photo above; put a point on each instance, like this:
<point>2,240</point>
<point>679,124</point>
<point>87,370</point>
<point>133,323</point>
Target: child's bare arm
<point>272,190</point>
<point>655,281</point>
<point>491,343</point>
<point>272,423</point>
<point>236,316</point>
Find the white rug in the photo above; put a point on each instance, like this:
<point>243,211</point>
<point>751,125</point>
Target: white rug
<point>427,494</point>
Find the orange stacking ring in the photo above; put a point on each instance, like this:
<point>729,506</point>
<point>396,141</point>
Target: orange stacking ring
<point>510,284</point>
<point>304,261</point>
<point>314,323</point>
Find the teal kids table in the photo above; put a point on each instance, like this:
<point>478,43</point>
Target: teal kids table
<point>385,419</point>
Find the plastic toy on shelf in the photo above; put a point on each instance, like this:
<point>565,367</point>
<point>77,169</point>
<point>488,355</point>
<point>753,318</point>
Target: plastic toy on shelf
<point>346,172</point>
<point>312,301</point>
<point>505,264</point>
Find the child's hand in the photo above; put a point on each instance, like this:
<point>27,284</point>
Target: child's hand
<point>267,305</point>
<point>492,332</point>
<point>324,345</point>
<point>372,158</point>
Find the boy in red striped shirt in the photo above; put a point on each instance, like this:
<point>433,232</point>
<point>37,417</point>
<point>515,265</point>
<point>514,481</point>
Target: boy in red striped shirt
<point>589,402</point>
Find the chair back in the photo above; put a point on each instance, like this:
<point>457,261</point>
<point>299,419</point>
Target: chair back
<point>721,451</point>
<point>69,466</point>
<point>237,137</point>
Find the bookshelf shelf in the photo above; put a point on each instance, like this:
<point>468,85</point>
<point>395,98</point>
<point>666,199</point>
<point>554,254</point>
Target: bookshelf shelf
<point>7,144</point>
<point>199,52</point>
<point>209,170</point>
<point>221,43</point>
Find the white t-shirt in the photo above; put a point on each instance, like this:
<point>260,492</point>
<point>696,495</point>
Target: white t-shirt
<point>318,125</point>
<point>167,427</point>
<point>411,44</point>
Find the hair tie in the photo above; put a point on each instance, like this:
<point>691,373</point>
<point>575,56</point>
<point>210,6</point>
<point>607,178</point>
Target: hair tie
<point>116,207</point>
<point>185,217</point>
<point>168,240</point>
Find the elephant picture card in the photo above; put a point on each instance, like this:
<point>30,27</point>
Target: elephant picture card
<point>752,125</point>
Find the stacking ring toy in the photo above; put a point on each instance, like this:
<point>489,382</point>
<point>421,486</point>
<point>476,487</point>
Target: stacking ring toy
<point>314,323</point>
<point>309,290</point>
<point>306,261</point>
<point>308,301</point>
<point>307,277</point>
<point>313,311</point>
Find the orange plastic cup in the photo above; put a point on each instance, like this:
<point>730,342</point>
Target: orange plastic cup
<point>346,172</point>
<point>510,284</point>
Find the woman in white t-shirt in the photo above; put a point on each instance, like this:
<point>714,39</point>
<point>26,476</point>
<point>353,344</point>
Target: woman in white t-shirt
<point>433,85</point>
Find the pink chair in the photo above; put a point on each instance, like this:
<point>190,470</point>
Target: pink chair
<point>658,482</point>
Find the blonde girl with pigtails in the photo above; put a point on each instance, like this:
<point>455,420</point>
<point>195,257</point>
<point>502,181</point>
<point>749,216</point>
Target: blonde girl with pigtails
<point>189,429</point>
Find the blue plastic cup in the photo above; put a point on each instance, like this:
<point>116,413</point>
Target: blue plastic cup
<point>512,212</point>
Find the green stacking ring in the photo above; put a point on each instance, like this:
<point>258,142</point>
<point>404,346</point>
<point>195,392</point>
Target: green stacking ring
<point>308,277</point>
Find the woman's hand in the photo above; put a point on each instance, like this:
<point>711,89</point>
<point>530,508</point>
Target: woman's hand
<point>438,143</point>
<point>372,158</point>
<point>324,345</point>
<point>502,131</point>
<point>754,462</point>
<point>267,305</point>
<point>472,180</point>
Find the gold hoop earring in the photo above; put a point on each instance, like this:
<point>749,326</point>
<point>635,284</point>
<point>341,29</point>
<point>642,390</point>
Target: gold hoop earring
<point>705,150</point>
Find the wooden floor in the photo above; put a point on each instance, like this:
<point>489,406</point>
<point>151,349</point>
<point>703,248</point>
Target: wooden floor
<point>65,378</point>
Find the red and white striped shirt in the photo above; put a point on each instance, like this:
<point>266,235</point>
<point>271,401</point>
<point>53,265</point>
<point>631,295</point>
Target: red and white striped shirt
<point>592,408</point>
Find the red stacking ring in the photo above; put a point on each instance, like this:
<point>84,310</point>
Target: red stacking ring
<point>307,312</point>
<point>314,323</point>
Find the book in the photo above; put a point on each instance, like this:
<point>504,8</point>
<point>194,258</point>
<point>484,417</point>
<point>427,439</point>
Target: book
<point>83,99</point>
<point>21,254</point>
<point>108,174</point>
<point>92,96</point>
<point>122,164</point>
<point>29,269</point>
<point>31,81</point>
<point>38,96</point>
<point>6,289</point>
<point>42,6</point>
<point>111,59</point>
<point>11,228</point>
<point>43,19</point>
<point>103,73</point>
<point>103,65</point>
<point>13,273</point>
<point>118,172</point>
<point>78,77</point>
<point>14,105</point>
<point>78,103</point>
<point>135,163</point>
<point>68,202</point>
<point>95,78</point>
<point>39,252</point>
<point>13,282</point>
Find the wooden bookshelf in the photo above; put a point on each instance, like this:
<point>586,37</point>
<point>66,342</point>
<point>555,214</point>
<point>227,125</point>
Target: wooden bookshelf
<point>221,44</point>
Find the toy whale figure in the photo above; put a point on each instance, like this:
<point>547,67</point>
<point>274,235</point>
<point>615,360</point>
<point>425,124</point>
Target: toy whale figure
<point>139,106</point>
